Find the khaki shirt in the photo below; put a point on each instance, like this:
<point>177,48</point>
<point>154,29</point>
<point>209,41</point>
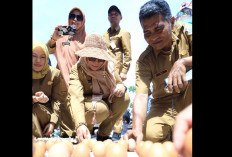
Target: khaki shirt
<point>154,66</point>
<point>118,44</point>
<point>50,85</point>
<point>80,85</point>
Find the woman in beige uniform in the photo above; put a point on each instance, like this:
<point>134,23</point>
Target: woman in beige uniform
<point>96,93</point>
<point>45,92</point>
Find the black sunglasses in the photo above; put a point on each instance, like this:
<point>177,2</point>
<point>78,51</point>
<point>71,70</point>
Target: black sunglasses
<point>79,17</point>
<point>94,59</point>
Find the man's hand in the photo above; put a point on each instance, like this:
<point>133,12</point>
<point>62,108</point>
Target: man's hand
<point>176,77</point>
<point>136,135</point>
<point>83,133</point>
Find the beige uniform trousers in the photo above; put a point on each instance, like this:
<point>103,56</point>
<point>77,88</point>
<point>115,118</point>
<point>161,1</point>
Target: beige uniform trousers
<point>160,120</point>
<point>41,116</point>
<point>118,107</point>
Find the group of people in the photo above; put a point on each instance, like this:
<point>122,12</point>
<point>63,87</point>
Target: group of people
<point>86,87</point>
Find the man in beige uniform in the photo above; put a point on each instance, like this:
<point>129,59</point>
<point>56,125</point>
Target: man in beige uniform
<point>118,45</point>
<point>118,42</point>
<point>169,54</point>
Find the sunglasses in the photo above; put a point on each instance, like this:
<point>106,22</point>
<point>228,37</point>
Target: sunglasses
<point>94,59</point>
<point>79,17</point>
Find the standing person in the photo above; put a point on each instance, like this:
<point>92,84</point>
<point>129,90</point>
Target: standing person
<point>119,47</point>
<point>66,58</point>
<point>46,93</point>
<point>96,92</point>
<point>168,55</point>
<point>118,42</point>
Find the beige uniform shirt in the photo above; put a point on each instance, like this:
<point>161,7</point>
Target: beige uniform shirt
<point>154,66</point>
<point>50,85</point>
<point>80,85</point>
<point>119,47</point>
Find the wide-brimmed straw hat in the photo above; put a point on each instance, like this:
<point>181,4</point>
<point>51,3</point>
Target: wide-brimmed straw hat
<point>95,46</point>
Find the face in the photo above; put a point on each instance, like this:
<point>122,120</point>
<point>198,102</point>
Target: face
<point>157,32</point>
<point>114,17</point>
<point>39,59</point>
<point>74,20</point>
<point>94,63</point>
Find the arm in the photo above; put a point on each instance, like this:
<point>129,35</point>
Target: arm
<point>143,79</point>
<point>55,104</point>
<point>51,44</point>
<point>56,96</point>
<point>126,46</point>
<point>139,115</point>
<point>77,105</point>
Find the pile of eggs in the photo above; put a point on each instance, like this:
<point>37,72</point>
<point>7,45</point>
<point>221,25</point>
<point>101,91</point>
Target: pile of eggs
<point>61,147</point>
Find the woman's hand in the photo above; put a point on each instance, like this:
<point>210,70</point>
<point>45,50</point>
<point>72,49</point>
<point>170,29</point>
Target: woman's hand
<point>55,36</point>
<point>48,129</point>
<point>83,133</point>
<point>119,90</point>
<point>40,97</point>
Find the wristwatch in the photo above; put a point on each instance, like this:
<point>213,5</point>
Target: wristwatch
<point>81,123</point>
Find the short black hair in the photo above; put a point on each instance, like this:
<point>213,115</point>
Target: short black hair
<point>154,7</point>
<point>114,7</point>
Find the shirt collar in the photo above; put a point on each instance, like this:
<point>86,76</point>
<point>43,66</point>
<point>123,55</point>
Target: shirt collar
<point>174,42</point>
<point>116,29</point>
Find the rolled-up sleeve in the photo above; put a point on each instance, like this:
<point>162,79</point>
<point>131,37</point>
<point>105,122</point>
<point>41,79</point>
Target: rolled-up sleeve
<point>143,77</point>
<point>56,95</point>
<point>76,96</point>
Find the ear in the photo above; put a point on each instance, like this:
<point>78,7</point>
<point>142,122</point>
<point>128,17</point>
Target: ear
<point>120,17</point>
<point>172,21</point>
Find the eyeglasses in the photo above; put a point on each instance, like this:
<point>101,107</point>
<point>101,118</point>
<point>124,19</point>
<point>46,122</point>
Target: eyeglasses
<point>79,17</point>
<point>111,14</point>
<point>94,59</point>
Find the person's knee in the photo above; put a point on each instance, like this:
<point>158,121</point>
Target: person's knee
<point>157,133</point>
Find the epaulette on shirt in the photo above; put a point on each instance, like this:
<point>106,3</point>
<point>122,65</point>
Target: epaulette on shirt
<point>146,52</point>
<point>185,27</point>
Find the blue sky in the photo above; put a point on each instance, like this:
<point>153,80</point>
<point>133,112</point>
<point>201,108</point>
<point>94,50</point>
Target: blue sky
<point>47,14</point>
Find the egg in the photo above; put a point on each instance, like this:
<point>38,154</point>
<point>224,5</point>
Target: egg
<point>58,140</point>
<point>59,150</point>
<point>123,143</point>
<point>115,150</point>
<point>68,144</point>
<point>39,149</point>
<point>50,143</point>
<point>138,147</point>
<point>107,142</point>
<point>170,149</point>
<point>157,150</point>
<point>145,148</point>
<point>99,149</point>
<point>131,145</point>
<point>86,141</point>
<point>92,143</point>
<point>188,144</point>
<point>81,150</point>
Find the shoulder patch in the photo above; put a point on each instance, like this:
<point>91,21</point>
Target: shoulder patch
<point>146,52</point>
